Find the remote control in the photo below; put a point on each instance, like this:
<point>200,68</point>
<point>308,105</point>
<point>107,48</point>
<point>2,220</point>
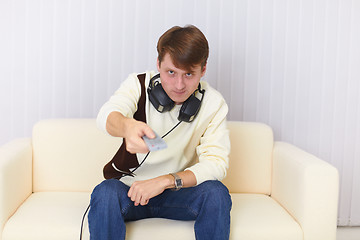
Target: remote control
<point>155,144</point>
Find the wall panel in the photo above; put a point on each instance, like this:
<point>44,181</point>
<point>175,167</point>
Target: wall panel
<point>291,64</point>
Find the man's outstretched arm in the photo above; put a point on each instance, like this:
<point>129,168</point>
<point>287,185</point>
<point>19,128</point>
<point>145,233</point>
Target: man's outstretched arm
<point>131,130</point>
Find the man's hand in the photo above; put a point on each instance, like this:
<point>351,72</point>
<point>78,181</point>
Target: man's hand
<point>131,130</point>
<point>142,191</point>
<point>133,133</point>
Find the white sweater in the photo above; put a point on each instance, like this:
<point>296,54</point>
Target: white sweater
<point>201,146</point>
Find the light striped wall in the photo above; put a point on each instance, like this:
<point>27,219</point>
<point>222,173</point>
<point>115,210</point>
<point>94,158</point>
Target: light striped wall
<point>294,65</point>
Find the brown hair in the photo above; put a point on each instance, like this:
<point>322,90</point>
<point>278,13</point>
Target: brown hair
<point>187,47</point>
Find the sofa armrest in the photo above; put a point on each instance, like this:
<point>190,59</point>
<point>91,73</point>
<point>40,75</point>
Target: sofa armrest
<point>308,188</point>
<point>15,177</point>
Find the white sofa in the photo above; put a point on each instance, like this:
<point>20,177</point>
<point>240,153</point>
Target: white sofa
<point>279,192</point>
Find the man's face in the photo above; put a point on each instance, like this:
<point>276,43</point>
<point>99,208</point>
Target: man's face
<point>179,84</point>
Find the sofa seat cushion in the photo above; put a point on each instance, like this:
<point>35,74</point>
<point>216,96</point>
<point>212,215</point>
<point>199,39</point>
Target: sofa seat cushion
<point>48,215</point>
<point>258,216</point>
<point>154,229</point>
<point>253,217</point>
<point>57,215</point>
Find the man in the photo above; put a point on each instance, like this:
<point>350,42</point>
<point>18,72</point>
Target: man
<point>192,117</point>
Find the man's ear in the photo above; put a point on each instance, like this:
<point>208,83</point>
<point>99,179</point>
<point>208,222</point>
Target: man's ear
<point>158,64</point>
<point>203,70</point>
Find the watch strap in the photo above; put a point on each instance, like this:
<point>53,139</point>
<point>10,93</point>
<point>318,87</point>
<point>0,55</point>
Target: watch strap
<point>178,181</point>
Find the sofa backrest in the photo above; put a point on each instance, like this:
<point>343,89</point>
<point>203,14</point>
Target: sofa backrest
<point>69,155</point>
<point>250,163</point>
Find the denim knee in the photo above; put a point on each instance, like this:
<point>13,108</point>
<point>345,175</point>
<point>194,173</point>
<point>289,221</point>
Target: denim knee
<point>217,195</point>
<point>109,189</point>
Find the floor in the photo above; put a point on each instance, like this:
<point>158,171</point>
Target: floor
<point>348,233</point>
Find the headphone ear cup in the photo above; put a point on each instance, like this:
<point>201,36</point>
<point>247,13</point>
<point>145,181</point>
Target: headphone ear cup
<point>189,109</point>
<point>159,99</point>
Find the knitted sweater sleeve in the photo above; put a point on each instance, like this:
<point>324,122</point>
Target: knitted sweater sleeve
<point>213,149</point>
<point>124,100</point>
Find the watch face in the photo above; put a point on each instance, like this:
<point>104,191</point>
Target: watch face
<point>178,183</point>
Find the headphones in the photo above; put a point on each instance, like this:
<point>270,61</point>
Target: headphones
<point>163,103</point>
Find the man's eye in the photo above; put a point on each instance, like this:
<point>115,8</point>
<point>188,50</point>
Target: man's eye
<point>171,72</point>
<point>188,74</point>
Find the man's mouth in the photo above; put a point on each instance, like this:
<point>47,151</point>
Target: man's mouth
<point>179,92</point>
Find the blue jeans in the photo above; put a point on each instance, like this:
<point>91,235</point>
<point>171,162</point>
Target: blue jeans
<point>209,204</point>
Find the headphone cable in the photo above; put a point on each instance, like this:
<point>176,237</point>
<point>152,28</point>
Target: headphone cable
<point>171,129</point>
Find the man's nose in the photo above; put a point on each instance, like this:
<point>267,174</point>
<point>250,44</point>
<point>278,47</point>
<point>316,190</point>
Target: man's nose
<point>180,84</point>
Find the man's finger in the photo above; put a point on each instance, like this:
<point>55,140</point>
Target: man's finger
<point>144,202</point>
<point>149,133</point>
<point>130,192</point>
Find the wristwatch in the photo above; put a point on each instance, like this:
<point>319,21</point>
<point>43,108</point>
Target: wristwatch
<point>178,181</point>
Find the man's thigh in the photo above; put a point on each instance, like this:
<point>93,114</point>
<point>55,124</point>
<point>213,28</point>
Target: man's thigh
<point>186,203</point>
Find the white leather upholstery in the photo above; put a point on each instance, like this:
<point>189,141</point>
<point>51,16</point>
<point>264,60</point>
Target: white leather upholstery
<point>69,155</point>
<point>308,188</point>
<point>250,158</point>
<point>278,191</point>
<point>48,215</point>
